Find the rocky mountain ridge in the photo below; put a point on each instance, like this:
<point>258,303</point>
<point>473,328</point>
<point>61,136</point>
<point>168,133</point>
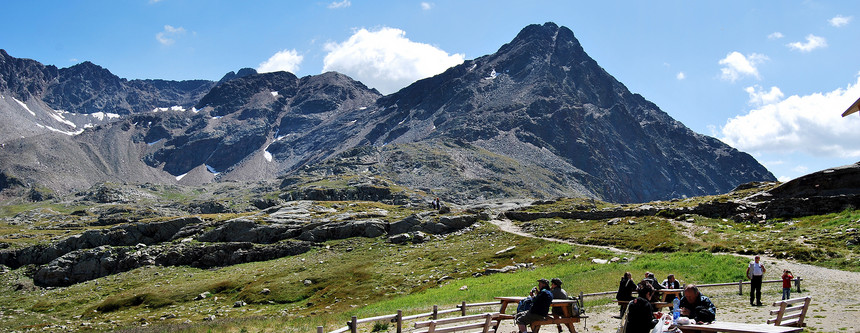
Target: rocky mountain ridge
<point>539,116</point>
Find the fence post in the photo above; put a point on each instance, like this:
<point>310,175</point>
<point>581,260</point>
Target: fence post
<point>320,329</point>
<point>353,324</point>
<point>399,321</point>
<point>797,283</point>
<point>435,312</point>
<point>463,308</point>
<point>741,287</point>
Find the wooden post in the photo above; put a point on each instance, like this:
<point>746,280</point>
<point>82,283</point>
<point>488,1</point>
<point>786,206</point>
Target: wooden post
<point>741,287</point>
<point>399,321</point>
<point>797,283</point>
<point>463,308</point>
<point>353,324</point>
<point>435,312</point>
<point>320,329</point>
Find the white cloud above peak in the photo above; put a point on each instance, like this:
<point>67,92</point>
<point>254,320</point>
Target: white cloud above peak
<point>169,35</point>
<point>775,35</point>
<point>810,124</point>
<point>759,96</point>
<point>839,20</point>
<point>339,4</point>
<point>285,60</point>
<point>426,6</point>
<point>736,65</point>
<point>386,60</point>
<point>812,42</point>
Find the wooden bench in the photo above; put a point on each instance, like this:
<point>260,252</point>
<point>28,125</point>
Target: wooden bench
<point>556,320</point>
<point>722,326</point>
<point>791,312</point>
<point>485,323</point>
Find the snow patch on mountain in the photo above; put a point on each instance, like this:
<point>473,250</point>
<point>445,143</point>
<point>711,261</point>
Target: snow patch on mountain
<point>101,115</point>
<point>25,106</point>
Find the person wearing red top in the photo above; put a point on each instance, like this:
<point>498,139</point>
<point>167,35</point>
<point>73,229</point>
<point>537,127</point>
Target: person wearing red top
<point>786,284</point>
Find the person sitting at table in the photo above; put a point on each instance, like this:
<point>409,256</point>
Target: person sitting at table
<point>557,293</point>
<point>671,283</point>
<point>696,306</point>
<point>541,301</point>
<point>649,277</point>
<point>641,315</point>
<point>625,291</point>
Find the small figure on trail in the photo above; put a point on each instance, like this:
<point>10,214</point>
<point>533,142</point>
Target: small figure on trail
<point>755,272</point>
<point>786,284</point>
<point>541,301</point>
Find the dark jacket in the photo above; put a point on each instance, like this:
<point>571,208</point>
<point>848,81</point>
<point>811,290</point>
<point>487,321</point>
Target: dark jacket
<point>640,316</point>
<point>702,310</point>
<point>542,302</point>
<point>625,290</point>
<point>657,286</point>
<point>558,293</point>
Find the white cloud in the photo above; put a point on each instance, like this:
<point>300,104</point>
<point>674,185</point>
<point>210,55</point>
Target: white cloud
<point>286,60</point>
<point>426,6</point>
<point>681,76</point>
<point>784,179</point>
<point>839,20</point>
<point>736,65</point>
<point>386,59</point>
<point>760,97</point>
<point>775,35</point>
<point>810,124</point>
<point>812,42</point>
<point>800,169</point>
<point>169,35</point>
<point>341,4</point>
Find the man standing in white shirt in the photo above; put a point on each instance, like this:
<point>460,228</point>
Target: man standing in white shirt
<point>755,272</point>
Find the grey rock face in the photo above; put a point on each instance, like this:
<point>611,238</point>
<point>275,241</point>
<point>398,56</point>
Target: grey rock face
<point>84,265</point>
<point>538,118</point>
<point>146,233</point>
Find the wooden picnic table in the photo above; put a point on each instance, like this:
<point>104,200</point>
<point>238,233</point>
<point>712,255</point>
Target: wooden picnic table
<point>724,326</point>
<point>563,303</point>
<point>664,293</point>
<point>567,319</point>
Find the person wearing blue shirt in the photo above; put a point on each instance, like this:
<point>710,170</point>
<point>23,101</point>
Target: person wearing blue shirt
<point>542,300</point>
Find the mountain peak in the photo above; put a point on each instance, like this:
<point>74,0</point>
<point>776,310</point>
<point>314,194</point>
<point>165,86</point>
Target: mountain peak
<point>235,75</point>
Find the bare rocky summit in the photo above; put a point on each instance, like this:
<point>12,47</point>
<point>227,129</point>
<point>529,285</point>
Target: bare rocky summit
<point>538,118</point>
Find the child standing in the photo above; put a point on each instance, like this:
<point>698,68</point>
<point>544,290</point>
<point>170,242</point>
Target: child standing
<point>786,284</point>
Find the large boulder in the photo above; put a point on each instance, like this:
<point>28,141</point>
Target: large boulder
<point>244,230</point>
<point>346,229</point>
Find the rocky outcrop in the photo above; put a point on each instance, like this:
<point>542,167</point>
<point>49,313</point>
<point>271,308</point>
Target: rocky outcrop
<point>427,224</point>
<point>243,230</point>
<point>843,180</point>
<point>360,192</point>
<point>340,230</point>
<point>137,233</point>
<point>84,265</point>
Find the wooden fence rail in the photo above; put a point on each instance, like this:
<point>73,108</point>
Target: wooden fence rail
<point>399,318</point>
<point>739,284</point>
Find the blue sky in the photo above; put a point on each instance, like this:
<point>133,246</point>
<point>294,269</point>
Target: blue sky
<point>769,78</point>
